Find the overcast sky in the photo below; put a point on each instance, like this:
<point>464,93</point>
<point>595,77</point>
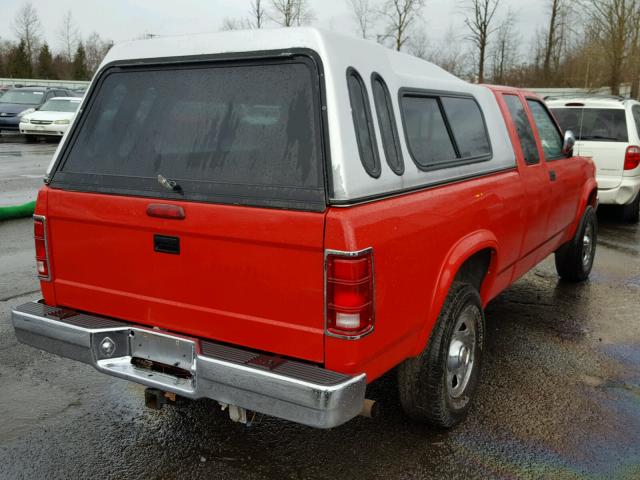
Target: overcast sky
<point>121,20</point>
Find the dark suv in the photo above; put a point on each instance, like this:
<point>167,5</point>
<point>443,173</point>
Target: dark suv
<point>19,101</point>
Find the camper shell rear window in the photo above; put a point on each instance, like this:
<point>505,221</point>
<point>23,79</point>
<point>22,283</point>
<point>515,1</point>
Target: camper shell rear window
<point>245,132</point>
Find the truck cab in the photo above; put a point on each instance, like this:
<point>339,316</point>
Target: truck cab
<point>274,219</point>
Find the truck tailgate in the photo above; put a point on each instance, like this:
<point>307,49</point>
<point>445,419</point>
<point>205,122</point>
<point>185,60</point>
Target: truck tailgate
<point>243,275</point>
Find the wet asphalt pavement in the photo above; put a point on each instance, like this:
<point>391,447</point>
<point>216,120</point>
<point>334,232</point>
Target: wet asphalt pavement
<point>559,399</point>
<point>22,166</point>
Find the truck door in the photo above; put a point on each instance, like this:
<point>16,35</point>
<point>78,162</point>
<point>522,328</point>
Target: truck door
<point>535,179</point>
<point>564,173</point>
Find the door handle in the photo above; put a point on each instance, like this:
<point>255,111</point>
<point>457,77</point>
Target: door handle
<point>552,175</point>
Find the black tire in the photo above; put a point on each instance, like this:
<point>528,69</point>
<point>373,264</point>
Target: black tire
<point>631,211</point>
<point>574,259</point>
<point>425,383</point>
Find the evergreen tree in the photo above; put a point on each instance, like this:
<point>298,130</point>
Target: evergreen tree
<point>19,64</point>
<point>80,71</point>
<point>45,62</point>
<point>61,67</point>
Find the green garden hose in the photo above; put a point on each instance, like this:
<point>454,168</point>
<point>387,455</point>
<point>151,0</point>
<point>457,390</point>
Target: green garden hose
<point>17,211</point>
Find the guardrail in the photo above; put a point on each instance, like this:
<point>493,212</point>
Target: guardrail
<point>625,91</point>
<point>27,82</point>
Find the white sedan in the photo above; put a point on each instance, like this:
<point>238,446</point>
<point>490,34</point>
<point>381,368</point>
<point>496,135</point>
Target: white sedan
<point>51,119</point>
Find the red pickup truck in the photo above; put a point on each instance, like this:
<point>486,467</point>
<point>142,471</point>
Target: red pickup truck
<point>274,219</point>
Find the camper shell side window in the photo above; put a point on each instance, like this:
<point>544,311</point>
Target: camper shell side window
<point>363,123</point>
<point>443,129</point>
<point>387,124</point>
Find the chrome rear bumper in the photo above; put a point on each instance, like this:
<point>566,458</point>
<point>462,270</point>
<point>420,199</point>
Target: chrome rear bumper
<point>288,389</point>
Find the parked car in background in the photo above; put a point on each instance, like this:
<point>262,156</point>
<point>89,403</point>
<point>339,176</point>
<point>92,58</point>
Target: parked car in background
<point>17,102</point>
<point>274,219</point>
<point>608,130</point>
<point>51,119</point>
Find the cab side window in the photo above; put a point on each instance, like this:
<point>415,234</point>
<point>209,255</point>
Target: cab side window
<point>523,127</point>
<point>547,129</point>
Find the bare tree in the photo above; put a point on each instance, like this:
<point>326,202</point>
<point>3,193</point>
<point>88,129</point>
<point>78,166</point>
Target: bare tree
<point>258,13</point>
<point>418,45</point>
<point>450,55</point>
<point>505,51</point>
<point>290,13</point>
<point>399,16</point>
<point>256,19</point>
<point>95,48</point>
<point>613,24</point>
<point>634,67</point>
<point>69,36</point>
<point>479,20</point>
<point>236,24</point>
<point>364,14</point>
<point>26,26</point>
<point>555,9</point>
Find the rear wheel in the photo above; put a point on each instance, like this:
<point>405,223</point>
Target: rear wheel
<point>574,260</point>
<point>437,386</point>
<point>631,212</point>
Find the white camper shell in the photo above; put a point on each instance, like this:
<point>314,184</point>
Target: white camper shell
<point>390,167</point>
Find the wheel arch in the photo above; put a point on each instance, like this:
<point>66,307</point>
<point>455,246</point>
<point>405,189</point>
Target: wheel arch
<point>588,197</point>
<point>472,259</point>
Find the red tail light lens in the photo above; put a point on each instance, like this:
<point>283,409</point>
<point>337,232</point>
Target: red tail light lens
<point>42,255</point>
<point>632,158</point>
<point>350,293</point>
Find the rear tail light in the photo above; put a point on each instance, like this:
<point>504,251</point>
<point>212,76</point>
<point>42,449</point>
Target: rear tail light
<point>42,254</point>
<point>632,158</point>
<point>350,293</point>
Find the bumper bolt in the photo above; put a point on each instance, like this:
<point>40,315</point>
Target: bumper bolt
<point>107,347</point>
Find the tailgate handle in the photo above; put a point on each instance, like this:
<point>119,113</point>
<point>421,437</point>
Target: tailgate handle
<point>165,244</point>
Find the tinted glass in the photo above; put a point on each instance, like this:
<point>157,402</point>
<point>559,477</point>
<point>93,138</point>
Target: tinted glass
<point>23,97</point>
<point>467,126</point>
<point>427,134</point>
<point>549,134</point>
<point>594,124</point>
<point>363,123</point>
<point>60,106</point>
<point>237,134</point>
<point>523,127</point>
<point>636,117</point>
<point>387,124</point>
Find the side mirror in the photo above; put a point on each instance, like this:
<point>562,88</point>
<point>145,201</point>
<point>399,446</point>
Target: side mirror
<point>569,142</point>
